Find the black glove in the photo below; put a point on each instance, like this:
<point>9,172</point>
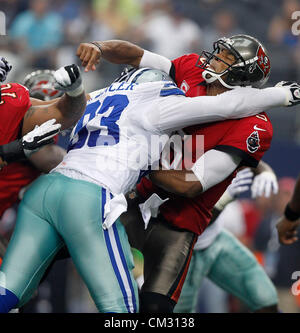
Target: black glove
<point>5,67</point>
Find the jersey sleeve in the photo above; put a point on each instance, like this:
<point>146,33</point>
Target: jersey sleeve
<point>248,138</point>
<point>182,66</point>
<point>15,101</point>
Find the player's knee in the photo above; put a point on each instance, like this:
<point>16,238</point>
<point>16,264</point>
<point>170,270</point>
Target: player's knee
<point>155,303</point>
<point>262,292</point>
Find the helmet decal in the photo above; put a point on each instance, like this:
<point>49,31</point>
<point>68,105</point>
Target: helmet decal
<point>263,61</point>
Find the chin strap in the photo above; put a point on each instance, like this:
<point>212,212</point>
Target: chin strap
<point>212,77</point>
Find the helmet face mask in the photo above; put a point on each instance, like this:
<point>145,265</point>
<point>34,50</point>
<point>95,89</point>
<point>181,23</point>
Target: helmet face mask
<point>250,68</point>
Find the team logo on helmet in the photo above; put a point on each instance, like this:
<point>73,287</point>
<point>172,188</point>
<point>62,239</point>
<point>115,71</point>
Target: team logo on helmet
<point>253,142</point>
<point>263,61</point>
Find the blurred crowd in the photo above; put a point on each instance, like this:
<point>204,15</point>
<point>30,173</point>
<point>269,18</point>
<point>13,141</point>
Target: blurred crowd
<point>44,34</point>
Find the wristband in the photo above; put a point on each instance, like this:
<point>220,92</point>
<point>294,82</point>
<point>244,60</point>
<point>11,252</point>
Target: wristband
<point>290,214</point>
<point>98,45</point>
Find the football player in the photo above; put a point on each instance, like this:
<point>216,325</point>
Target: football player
<point>235,62</point>
<point>19,115</point>
<point>224,260</point>
<point>288,224</point>
<point>100,167</point>
<point>24,147</point>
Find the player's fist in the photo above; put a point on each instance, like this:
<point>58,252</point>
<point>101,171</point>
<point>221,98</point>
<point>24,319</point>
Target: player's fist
<point>287,231</point>
<point>294,91</point>
<point>89,54</point>
<point>68,79</point>
<point>5,67</point>
<point>40,136</point>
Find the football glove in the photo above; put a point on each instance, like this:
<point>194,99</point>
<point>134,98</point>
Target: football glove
<point>294,89</point>
<point>264,184</point>
<point>40,136</point>
<point>241,183</point>
<point>5,67</point>
<point>68,79</point>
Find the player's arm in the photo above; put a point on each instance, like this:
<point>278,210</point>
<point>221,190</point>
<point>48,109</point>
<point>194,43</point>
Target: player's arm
<point>210,169</point>
<point>29,143</point>
<point>175,112</point>
<point>264,183</point>
<point>68,109</point>
<point>120,52</point>
<point>290,221</point>
<point>47,157</point>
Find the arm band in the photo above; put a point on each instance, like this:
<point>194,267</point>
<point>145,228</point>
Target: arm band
<point>290,214</point>
<point>98,45</point>
<point>12,152</point>
<point>153,60</point>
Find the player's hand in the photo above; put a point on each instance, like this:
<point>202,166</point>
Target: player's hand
<point>5,67</point>
<point>68,79</point>
<point>287,231</point>
<point>241,183</point>
<point>264,184</point>
<point>90,55</point>
<point>294,91</point>
<point>40,136</point>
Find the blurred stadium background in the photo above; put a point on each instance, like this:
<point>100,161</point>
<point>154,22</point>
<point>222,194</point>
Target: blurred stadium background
<point>43,34</point>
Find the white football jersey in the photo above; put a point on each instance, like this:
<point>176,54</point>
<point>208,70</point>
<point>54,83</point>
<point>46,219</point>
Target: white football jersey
<point>117,138</point>
<point>115,142</point>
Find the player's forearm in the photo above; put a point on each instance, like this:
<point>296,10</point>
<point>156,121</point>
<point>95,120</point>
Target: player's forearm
<point>262,167</point>
<point>295,201</point>
<point>48,157</point>
<point>178,182</point>
<point>11,152</point>
<point>121,52</point>
<point>71,109</point>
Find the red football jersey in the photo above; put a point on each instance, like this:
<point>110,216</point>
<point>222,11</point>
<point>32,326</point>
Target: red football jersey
<point>188,76</point>
<point>248,137</point>
<point>15,101</point>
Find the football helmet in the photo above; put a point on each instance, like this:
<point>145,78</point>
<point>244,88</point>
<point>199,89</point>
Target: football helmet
<point>251,66</point>
<point>142,75</point>
<point>40,84</point>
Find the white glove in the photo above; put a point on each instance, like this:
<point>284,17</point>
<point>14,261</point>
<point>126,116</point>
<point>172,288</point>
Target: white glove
<point>264,184</point>
<point>5,67</point>
<point>40,136</point>
<point>294,91</point>
<point>68,79</point>
<point>241,183</point>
